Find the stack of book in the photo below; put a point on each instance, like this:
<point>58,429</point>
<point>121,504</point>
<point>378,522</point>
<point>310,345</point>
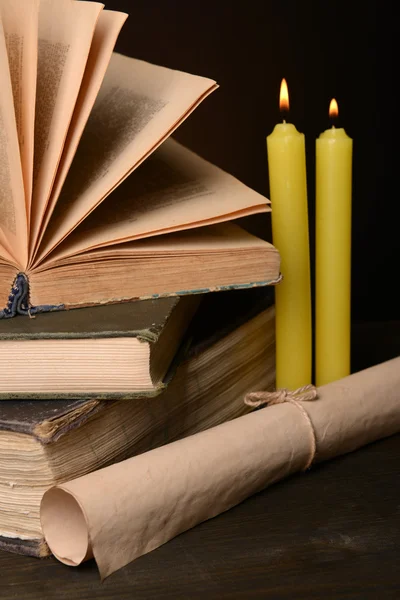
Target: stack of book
<point>133,310</point>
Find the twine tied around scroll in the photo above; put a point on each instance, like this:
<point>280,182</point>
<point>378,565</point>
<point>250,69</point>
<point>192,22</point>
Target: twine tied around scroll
<point>295,397</point>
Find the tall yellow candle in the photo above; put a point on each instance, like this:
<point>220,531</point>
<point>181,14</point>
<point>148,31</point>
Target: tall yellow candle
<point>288,194</point>
<point>333,253</point>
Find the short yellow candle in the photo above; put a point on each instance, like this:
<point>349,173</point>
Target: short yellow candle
<point>333,253</point>
<point>288,194</point>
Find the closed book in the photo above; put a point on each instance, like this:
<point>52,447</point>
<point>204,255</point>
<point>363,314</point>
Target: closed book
<point>120,350</point>
<point>47,442</point>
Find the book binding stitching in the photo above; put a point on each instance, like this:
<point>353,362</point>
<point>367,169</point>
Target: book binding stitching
<point>18,300</point>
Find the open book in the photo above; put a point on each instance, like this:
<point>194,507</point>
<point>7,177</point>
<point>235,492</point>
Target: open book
<point>76,119</point>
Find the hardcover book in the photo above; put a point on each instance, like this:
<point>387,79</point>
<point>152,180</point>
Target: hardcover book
<point>98,204</point>
<point>124,350</point>
<point>48,442</point>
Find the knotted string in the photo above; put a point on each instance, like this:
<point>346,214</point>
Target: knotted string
<point>295,397</point>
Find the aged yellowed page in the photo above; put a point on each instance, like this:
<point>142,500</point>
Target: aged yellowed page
<point>138,107</point>
<point>65,35</point>
<point>8,272</point>
<point>207,258</point>
<point>20,23</point>
<point>221,238</point>
<point>13,221</point>
<point>105,36</point>
<point>173,189</point>
<point>78,366</point>
<point>6,259</point>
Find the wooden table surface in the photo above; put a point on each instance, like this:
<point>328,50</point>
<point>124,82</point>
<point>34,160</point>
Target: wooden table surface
<point>333,532</point>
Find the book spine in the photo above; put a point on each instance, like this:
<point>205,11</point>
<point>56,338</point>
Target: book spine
<point>18,300</point>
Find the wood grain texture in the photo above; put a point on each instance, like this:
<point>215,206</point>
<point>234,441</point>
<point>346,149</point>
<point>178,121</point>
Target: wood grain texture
<point>331,533</point>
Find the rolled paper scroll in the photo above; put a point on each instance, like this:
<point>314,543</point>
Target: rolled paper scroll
<point>123,511</point>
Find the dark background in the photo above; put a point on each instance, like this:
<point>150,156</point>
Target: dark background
<point>325,49</point>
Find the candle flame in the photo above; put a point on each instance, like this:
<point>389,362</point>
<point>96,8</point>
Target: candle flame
<point>284,96</point>
<point>333,109</point>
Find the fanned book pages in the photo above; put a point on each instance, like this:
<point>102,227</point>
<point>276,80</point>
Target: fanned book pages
<point>97,203</point>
